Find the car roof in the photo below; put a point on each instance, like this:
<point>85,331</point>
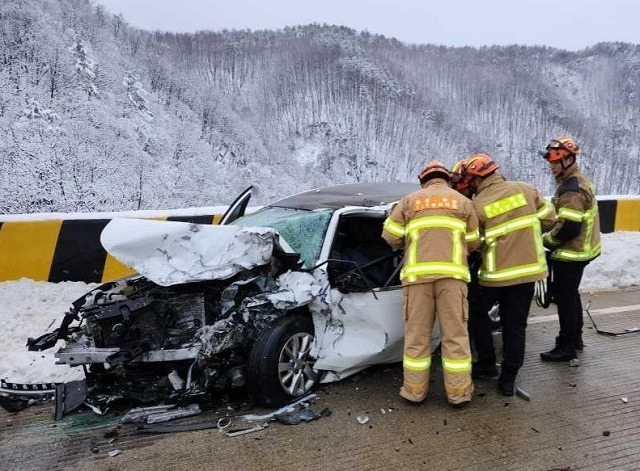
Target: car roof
<point>350,194</point>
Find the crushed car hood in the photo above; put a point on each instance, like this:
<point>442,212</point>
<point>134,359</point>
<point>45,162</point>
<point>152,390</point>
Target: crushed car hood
<point>170,253</point>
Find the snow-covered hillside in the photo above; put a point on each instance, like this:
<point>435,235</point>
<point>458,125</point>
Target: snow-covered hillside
<point>98,116</point>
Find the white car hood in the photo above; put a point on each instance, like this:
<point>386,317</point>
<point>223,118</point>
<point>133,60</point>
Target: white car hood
<point>170,253</point>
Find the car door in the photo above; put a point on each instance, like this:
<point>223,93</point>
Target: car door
<point>237,208</point>
<point>365,326</point>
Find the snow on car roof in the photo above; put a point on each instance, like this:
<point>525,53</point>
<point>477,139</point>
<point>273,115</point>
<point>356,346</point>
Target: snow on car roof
<point>350,194</point>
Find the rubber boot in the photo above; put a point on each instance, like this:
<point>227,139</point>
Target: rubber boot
<point>481,369</point>
<point>507,384</point>
<point>558,354</point>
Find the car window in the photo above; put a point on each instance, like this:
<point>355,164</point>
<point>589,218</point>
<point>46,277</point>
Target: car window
<point>303,230</point>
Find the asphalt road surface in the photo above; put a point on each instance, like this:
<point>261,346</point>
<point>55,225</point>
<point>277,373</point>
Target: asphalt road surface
<point>585,418</point>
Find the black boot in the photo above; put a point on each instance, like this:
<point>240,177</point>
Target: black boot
<point>558,354</point>
<point>481,369</point>
<point>507,384</point>
<point>578,343</point>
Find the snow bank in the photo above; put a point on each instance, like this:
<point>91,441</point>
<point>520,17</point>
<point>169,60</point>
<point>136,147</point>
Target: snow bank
<point>31,308</point>
<point>617,267</point>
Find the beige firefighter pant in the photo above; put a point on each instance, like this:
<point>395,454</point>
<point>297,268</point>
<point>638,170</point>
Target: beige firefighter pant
<point>448,297</point>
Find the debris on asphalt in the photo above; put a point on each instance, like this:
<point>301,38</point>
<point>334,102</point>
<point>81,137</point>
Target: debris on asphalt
<point>224,423</point>
<point>362,419</point>
<point>606,433</point>
<point>288,408</point>
<point>624,399</point>
<point>111,433</point>
<point>522,394</point>
<point>535,429</point>
<point>236,433</point>
<point>574,362</point>
<point>113,453</point>
<point>177,413</point>
<point>305,415</point>
<point>158,414</point>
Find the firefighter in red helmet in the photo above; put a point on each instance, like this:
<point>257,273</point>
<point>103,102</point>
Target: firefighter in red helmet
<point>574,241</point>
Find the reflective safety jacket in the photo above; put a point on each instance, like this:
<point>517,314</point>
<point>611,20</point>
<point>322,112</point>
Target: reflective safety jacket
<point>437,227</point>
<point>575,237</point>
<point>512,215</point>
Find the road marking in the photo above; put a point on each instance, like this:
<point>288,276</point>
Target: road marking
<point>594,312</point>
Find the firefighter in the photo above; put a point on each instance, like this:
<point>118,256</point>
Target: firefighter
<point>480,325</point>
<point>574,241</point>
<point>511,215</point>
<point>436,226</point>
<point>460,182</point>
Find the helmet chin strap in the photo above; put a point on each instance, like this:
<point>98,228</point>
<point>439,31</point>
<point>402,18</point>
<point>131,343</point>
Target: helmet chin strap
<point>573,161</point>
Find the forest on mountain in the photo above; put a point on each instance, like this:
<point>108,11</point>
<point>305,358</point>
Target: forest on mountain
<point>96,115</point>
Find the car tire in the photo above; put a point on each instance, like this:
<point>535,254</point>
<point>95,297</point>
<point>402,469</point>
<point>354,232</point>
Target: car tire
<point>280,368</point>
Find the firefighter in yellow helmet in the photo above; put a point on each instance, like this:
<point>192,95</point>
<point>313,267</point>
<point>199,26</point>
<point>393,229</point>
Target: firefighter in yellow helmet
<point>512,215</point>
<point>574,241</point>
<point>436,226</point>
<point>460,182</point>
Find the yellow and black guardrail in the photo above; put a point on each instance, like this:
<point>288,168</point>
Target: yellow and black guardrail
<point>65,250</point>
<point>70,250</point>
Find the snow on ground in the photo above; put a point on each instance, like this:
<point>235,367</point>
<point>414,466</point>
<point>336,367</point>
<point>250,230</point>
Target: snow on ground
<point>31,308</point>
<point>617,267</point>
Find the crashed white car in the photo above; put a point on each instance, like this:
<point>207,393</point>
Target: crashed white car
<point>299,292</point>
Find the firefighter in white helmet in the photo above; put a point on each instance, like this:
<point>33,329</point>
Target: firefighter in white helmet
<point>436,226</point>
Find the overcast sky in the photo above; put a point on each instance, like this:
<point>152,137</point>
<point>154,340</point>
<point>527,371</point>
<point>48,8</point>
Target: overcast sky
<point>568,24</point>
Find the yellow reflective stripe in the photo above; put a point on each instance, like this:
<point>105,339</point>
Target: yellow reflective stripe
<point>412,271</point>
<point>458,365</point>
<point>456,249</point>
<point>537,238</point>
<point>444,222</point>
<point>393,228</point>
<point>490,256</point>
<point>564,254</point>
<point>416,364</point>
<point>455,268</point>
<point>587,252</point>
<point>544,211</point>
<point>511,273</point>
<point>412,255</point>
<point>571,214</point>
<point>504,205</point>
<point>473,235</point>
<point>510,226</point>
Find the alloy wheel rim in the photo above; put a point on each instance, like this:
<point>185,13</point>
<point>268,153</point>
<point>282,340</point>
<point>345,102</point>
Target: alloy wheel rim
<point>295,365</point>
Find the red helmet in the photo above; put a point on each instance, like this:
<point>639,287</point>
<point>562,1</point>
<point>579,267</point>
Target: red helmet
<point>434,169</point>
<point>480,165</point>
<point>560,148</point>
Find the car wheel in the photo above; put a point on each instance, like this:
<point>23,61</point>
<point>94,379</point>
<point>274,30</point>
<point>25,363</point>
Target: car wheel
<point>280,367</point>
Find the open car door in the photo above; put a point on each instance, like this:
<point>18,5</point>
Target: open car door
<point>237,208</point>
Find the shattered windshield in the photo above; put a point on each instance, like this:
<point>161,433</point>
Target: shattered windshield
<point>303,230</point>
